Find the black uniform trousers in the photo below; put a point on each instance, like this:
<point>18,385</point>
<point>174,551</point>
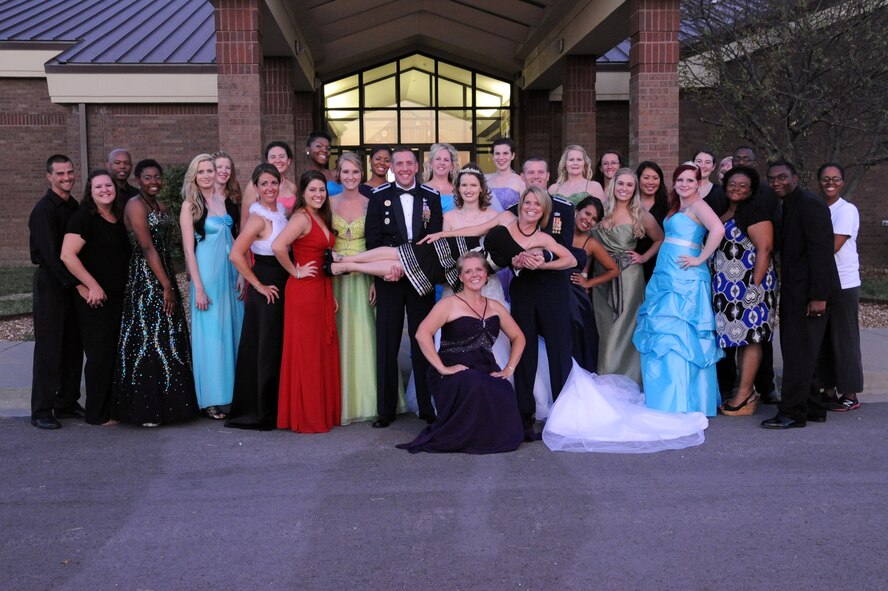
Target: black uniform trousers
<point>800,341</point>
<point>58,353</point>
<point>541,307</point>
<point>99,329</point>
<point>392,299</point>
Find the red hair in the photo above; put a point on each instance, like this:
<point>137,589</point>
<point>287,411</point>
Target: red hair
<point>674,202</point>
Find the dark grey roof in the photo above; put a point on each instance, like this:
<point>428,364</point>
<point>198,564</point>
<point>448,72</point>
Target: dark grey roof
<point>124,32</point>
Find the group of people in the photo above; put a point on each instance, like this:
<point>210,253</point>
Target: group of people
<point>621,313</point>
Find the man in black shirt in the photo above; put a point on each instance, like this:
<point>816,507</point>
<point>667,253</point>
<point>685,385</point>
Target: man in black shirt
<point>120,165</point>
<point>58,353</point>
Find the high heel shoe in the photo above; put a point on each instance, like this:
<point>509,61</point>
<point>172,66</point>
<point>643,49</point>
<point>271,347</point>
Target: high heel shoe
<point>327,267</point>
<point>745,408</point>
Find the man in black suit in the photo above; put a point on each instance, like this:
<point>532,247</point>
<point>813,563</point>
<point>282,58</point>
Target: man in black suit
<point>58,352</point>
<point>400,213</point>
<point>808,281</point>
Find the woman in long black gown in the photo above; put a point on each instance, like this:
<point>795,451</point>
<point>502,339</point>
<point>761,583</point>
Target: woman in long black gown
<point>476,405</point>
<point>257,374</point>
<point>153,381</point>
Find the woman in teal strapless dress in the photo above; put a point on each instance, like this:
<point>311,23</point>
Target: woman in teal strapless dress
<point>676,324</point>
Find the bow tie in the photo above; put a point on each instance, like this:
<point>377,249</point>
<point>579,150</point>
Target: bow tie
<point>411,192</point>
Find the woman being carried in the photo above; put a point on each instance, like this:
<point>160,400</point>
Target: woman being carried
<point>476,406</point>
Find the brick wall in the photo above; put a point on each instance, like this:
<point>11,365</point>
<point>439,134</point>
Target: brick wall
<point>578,102</point>
<point>32,128</point>
<point>170,134</point>
<point>613,128</point>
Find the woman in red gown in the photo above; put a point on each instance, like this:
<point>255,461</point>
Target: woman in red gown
<point>309,399</point>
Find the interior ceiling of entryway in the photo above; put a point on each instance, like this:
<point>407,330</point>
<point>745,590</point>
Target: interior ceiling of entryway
<point>494,36</point>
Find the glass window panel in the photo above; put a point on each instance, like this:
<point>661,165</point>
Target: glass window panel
<point>418,62</point>
<point>336,88</point>
<point>455,74</point>
<point>380,127</point>
<point>344,100</point>
<point>418,127</point>
<point>344,127</point>
<point>380,72</point>
<point>492,125</point>
<point>416,89</point>
<point>484,158</point>
<point>451,94</point>
<point>455,127</point>
<point>492,92</point>
<point>380,94</point>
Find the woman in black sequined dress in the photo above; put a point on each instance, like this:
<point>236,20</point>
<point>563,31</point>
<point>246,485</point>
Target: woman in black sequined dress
<point>153,381</point>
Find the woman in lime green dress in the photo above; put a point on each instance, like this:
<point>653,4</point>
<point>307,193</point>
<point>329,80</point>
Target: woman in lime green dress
<point>355,319</point>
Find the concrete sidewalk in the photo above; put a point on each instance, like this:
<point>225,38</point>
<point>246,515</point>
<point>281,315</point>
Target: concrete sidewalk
<point>16,358</point>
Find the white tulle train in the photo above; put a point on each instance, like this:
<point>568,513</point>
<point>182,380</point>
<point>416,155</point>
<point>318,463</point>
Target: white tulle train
<point>607,414</point>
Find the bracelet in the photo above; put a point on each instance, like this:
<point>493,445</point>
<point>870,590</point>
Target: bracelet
<point>297,273</point>
<point>510,367</point>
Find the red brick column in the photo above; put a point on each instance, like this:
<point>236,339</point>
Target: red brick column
<point>653,82</point>
<point>578,103</point>
<point>536,124</point>
<point>240,65</point>
<point>303,124</point>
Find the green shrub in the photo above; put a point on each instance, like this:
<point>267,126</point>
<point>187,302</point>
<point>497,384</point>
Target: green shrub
<point>170,195</point>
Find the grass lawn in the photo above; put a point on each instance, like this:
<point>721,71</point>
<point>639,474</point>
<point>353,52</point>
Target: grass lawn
<point>874,287</point>
<point>15,281</point>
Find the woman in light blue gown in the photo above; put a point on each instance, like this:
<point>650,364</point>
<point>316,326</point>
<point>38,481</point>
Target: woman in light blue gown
<point>216,312</point>
<point>676,325</point>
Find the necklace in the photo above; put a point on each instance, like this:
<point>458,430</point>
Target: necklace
<point>475,312</point>
<point>152,203</point>
<point>463,215</point>
<point>518,225</point>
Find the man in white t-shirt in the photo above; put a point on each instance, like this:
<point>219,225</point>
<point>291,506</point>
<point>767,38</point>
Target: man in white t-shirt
<point>839,367</point>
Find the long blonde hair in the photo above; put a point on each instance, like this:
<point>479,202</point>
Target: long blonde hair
<point>427,173</point>
<point>562,164</point>
<point>190,191</point>
<point>636,210</point>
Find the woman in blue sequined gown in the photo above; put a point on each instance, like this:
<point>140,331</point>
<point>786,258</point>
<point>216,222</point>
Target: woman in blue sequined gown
<point>477,411</point>
<point>153,383</point>
<point>676,325</point>
<point>216,311</point>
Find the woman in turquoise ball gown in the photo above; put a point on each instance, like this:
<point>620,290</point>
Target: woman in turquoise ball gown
<point>676,324</point>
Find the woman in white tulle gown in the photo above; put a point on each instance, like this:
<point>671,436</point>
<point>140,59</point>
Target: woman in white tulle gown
<point>607,414</point>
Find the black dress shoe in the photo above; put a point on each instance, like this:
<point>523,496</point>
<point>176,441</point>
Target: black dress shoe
<point>46,423</point>
<point>782,422</point>
<point>816,418</point>
<point>71,412</point>
<point>382,422</point>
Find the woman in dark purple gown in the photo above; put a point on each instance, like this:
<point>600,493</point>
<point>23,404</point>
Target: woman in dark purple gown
<point>477,411</point>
